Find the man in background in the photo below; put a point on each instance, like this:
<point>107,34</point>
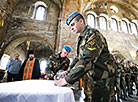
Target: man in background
<point>13,68</point>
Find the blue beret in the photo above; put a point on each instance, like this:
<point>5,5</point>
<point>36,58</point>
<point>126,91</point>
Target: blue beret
<point>71,17</point>
<point>67,48</point>
<point>117,59</point>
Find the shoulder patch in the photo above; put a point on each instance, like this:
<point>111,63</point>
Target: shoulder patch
<point>92,42</point>
<point>92,48</point>
<point>92,45</point>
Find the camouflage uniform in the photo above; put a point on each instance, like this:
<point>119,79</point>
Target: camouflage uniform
<point>95,65</point>
<point>123,82</point>
<point>128,78</point>
<point>55,64</point>
<point>134,77</point>
<point>117,81</point>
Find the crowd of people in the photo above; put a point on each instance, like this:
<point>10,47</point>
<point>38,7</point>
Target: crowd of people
<point>126,79</point>
<point>103,75</point>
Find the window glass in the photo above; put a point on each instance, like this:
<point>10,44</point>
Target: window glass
<point>40,13</point>
<point>103,23</point>
<point>113,25</point>
<point>90,20</point>
<point>133,28</point>
<point>124,26</point>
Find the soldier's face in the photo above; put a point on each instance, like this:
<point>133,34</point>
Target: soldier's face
<point>64,53</point>
<point>131,64</point>
<point>76,26</point>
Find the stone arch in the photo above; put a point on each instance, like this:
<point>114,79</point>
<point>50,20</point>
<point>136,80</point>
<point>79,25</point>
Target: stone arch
<point>36,43</point>
<point>122,52</point>
<point>120,3</point>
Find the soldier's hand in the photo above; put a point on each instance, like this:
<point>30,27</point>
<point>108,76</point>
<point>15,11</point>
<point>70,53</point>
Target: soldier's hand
<point>63,74</point>
<point>60,82</point>
<point>55,77</point>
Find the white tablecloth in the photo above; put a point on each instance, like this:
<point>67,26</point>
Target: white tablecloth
<point>34,91</point>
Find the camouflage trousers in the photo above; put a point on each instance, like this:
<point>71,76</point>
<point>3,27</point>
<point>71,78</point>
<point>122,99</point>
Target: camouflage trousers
<point>99,91</point>
<point>118,88</point>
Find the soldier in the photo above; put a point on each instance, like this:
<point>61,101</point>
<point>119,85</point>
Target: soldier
<point>134,76</point>
<point>117,80</point>
<point>120,81</point>
<point>128,78</point>
<point>93,62</point>
<point>57,62</point>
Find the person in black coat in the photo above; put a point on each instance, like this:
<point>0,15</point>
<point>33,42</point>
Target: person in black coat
<point>30,68</point>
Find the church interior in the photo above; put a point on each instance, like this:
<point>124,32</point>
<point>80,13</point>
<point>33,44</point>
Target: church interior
<point>22,26</point>
<point>40,25</point>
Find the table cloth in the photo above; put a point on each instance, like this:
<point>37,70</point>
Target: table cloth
<point>35,91</point>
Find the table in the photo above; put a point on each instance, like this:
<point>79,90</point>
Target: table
<point>35,91</point>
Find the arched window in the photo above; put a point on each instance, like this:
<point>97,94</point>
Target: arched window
<point>103,23</point>
<point>40,13</point>
<point>133,29</point>
<point>124,26</point>
<point>43,65</point>
<point>91,20</point>
<point>114,26</point>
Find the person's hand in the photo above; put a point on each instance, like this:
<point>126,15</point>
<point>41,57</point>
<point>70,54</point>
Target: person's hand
<point>60,82</point>
<point>63,74</point>
<point>55,77</point>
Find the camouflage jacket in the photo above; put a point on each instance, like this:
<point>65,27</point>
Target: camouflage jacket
<point>55,64</point>
<point>120,70</point>
<point>92,57</point>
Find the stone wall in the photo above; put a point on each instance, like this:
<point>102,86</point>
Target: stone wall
<point>53,32</point>
<point>117,41</point>
<point>22,26</point>
<point>21,23</point>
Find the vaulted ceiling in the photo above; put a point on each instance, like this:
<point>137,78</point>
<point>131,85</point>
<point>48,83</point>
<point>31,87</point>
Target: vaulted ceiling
<point>7,7</point>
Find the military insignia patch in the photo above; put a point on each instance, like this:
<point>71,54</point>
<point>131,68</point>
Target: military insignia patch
<point>91,45</point>
<point>91,49</point>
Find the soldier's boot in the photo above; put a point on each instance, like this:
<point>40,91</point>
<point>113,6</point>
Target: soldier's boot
<point>88,99</point>
<point>129,94</point>
<point>137,91</point>
<point>118,98</point>
<point>131,91</point>
<point>125,97</point>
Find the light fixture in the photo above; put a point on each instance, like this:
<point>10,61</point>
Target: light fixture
<point>1,21</point>
<point>133,54</point>
<point>28,44</point>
